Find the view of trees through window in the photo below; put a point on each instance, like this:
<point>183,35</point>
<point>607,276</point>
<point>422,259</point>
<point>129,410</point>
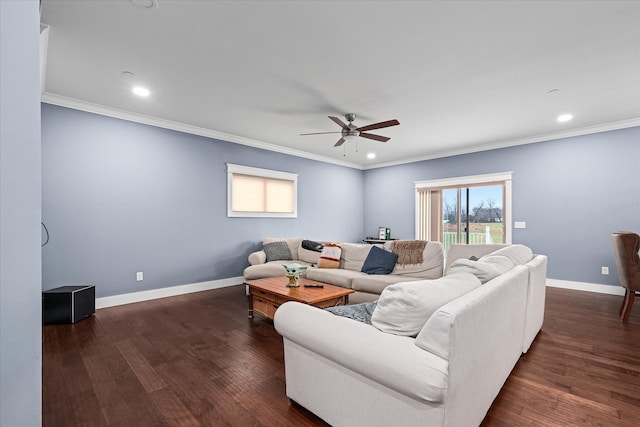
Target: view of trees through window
<point>473,215</point>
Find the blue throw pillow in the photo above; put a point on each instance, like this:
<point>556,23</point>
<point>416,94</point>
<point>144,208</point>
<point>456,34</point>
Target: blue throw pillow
<point>379,261</point>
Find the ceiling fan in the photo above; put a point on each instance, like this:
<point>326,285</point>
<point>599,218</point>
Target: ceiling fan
<point>350,132</point>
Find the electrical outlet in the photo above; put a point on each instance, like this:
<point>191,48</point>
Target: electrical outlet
<point>605,270</point>
<point>139,276</point>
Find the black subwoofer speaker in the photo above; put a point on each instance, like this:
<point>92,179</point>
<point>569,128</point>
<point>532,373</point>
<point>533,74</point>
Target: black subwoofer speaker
<point>68,304</point>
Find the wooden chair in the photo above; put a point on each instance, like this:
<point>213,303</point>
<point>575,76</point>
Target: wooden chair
<point>625,247</point>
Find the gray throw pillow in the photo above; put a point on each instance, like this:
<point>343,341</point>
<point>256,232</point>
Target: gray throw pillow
<point>277,251</point>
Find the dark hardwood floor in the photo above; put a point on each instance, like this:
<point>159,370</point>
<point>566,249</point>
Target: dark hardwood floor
<point>196,360</point>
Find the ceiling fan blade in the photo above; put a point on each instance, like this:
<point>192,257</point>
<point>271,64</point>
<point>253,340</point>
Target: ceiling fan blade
<point>339,122</point>
<point>340,142</point>
<point>386,124</point>
<point>316,133</point>
<point>376,137</point>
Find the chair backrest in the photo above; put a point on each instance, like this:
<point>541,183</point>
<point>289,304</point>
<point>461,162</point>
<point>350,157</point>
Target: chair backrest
<point>625,248</point>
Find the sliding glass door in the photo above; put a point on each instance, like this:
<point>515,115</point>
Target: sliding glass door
<point>473,215</point>
<point>465,213</point>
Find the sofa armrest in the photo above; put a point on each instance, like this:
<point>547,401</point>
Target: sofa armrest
<point>536,294</point>
<point>481,334</point>
<point>391,360</point>
<point>258,257</point>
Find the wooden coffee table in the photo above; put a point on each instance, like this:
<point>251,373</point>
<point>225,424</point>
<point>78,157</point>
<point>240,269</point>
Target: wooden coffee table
<point>266,295</point>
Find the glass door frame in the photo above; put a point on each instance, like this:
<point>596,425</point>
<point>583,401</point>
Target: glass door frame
<point>503,178</point>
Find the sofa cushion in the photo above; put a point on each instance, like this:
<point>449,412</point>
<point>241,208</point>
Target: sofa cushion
<point>375,284</point>
<point>353,255</point>
<point>269,269</point>
<point>334,276</point>
<point>486,268</point>
<point>432,264</point>
<point>379,261</point>
<point>404,308</point>
<point>277,251</point>
<point>308,256</point>
<point>330,256</point>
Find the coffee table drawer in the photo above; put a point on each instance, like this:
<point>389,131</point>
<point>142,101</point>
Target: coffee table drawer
<point>264,306</point>
<point>330,302</point>
<point>266,296</point>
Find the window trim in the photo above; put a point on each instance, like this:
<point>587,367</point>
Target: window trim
<point>470,180</point>
<point>262,173</point>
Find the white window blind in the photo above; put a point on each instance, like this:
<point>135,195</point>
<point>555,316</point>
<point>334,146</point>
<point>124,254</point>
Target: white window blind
<point>255,192</point>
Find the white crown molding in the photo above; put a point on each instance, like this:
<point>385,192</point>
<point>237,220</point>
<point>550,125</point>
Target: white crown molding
<point>89,107</point>
<point>588,287</point>
<point>605,127</point>
<point>172,291</point>
<point>76,104</point>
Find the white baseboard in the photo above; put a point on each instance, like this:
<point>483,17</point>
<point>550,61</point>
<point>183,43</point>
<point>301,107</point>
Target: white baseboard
<point>583,286</point>
<point>172,291</point>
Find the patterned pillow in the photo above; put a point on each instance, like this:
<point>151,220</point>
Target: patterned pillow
<point>330,256</point>
<point>277,251</point>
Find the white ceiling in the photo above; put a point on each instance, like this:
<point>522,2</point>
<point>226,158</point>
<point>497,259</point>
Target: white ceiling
<point>460,76</point>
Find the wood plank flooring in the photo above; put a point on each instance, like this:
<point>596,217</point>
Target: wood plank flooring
<point>196,360</point>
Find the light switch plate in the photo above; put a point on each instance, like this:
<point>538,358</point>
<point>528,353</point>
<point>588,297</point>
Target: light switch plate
<point>520,224</point>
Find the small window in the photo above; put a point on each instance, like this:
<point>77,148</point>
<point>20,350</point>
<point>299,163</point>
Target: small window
<point>255,192</point>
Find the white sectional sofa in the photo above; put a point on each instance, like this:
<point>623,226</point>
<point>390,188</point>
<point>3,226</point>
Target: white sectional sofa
<point>351,373</point>
<point>367,287</point>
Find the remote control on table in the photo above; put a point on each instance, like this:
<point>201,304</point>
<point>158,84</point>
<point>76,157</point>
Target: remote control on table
<point>313,285</point>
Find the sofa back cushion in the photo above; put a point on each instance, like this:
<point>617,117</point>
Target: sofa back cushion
<point>431,266</point>
<point>486,268</point>
<point>307,255</point>
<point>353,255</point>
<point>404,308</point>
<point>518,254</point>
<point>460,250</point>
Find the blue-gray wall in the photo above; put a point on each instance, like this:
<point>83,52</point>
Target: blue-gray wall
<point>571,192</point>
<point>121,197</point>
<point>20,273</point>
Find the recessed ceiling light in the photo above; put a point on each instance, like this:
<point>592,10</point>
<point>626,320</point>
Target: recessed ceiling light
<point>371,156</point>
<point>564,117</point>
<point>141,91</point>
<point>147,4</point>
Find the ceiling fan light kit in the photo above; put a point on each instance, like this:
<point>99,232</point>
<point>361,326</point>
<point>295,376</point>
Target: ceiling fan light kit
<point>351,132</point>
